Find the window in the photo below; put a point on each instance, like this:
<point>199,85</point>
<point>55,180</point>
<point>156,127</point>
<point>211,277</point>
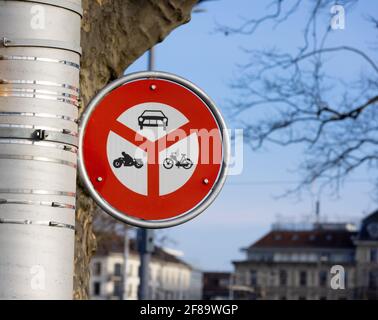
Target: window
<point>117,289</point>
<point>97,269</point>
<point>324,256</point>
<point>323,278</point>
<point>373,279</point>
<point>303,278</point>
<point>283,278</point>
<point>150,274</point>
<point>117,269</point>
<point>168,295</point>
<point>97,288</point>
<point>224,282</point>
<point>129,269</point>
<point>150,293</point>
<point>253,278</point>
<point>351,257</point>
<point>374,255</point>
<point>130,291</point>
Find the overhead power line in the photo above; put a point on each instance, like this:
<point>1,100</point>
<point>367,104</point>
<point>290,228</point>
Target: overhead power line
<point>277,182</point>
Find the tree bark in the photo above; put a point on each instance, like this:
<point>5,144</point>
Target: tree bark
<point>114,34</point>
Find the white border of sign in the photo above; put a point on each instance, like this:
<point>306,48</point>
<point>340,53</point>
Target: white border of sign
<point>165,223</point>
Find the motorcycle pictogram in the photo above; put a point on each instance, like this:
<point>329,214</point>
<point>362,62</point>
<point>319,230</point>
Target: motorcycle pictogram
<point>185,162</point>
<point>127,161</point>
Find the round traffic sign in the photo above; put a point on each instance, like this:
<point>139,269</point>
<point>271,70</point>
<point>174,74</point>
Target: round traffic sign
<point>153,150</point>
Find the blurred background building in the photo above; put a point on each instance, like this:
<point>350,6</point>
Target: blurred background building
<point>295,263</point>
<point>170,276</point>
<point>216,285</point>
<point>290,262</point>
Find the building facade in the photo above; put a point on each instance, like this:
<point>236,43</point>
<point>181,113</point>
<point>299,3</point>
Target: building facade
<point>327,262</point>
<point>170,277</point>
<point>216,285</point>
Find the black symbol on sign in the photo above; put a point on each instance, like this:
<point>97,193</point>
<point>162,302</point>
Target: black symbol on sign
<point>153,118</point>
<point>127,161</point>
<point>185,162</point>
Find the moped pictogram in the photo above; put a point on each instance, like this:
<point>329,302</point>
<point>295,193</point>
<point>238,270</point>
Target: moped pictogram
<point>185,162</point>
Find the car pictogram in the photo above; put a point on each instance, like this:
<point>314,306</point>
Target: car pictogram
<point>153,118</point>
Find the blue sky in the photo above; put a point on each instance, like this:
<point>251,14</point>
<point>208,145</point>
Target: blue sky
<point>248,204</point>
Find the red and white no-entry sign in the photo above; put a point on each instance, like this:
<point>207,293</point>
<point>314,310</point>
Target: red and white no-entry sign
<point>153,150</point>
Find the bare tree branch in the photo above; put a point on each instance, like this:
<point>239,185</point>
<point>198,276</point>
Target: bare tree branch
<point>298,98</point>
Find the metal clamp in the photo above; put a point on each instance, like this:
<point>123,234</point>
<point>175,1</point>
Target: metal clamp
<point>39,59</point>
<point>40,83</point>
<point>39,134</point>
<point>42,97</point>
<point>5,42</point>
<point>38,115</point>
<point>44,144</point>
<point>6,92</point>
<point>39,192</point>
<point>42,43</point>
<point>37,203</point>
<point>36,158</point>
<point>37,223</point>
<point>34,127</point>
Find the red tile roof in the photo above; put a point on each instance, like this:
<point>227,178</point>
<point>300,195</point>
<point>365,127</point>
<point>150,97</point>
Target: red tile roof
<point>305,239</point>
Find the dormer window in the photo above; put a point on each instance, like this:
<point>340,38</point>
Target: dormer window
<point>277,237</point>
<point>372,229</point>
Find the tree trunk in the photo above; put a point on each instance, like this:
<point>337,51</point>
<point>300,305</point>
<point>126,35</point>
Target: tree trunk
<point>114,34</point>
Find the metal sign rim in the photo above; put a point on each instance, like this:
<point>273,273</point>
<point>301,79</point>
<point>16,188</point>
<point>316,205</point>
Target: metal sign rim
<point>164,223</point>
